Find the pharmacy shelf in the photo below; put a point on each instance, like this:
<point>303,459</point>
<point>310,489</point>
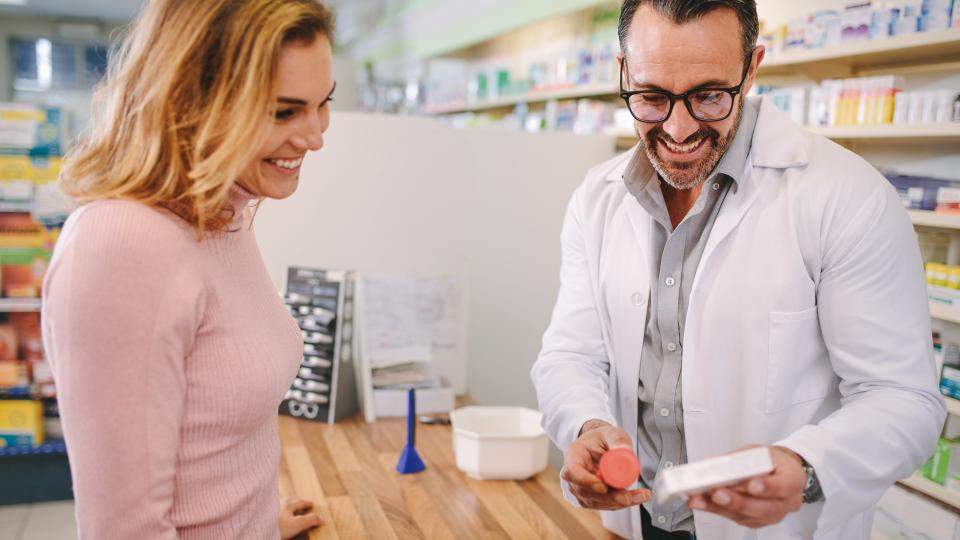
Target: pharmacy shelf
<point>940,220</point>
<point>953,405</point>
<point>848,58</point>
<point>839,61</point>
<point>567,92</point>
<point>16,206</point>
<point>53,447</point>
<point>933,489</point>
<point>945,313</point>
<point>8,305</point>
<point>913,132</point>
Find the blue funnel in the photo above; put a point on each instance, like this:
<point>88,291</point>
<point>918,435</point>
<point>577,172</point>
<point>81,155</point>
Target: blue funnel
<point>410,461</point>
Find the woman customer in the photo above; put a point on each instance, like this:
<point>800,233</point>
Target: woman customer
<point>170,346</point>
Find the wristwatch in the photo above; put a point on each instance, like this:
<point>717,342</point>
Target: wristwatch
<point>812,492</point>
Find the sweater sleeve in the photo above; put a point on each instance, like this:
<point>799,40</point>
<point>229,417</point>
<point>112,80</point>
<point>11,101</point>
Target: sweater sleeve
<point>121,310</point>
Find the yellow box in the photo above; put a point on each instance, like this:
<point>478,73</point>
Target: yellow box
<point>21,423</point>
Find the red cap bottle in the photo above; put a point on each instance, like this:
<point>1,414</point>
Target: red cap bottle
<point>619,468</point>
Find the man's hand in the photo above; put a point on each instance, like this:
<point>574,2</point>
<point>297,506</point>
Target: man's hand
<point>580,465</point>
<point>762,501</point>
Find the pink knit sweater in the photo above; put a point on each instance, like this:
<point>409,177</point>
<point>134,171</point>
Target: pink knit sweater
<point>171,357</point>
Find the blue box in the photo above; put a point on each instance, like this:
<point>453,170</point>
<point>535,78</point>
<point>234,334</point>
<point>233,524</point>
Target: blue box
<point>33,130</point>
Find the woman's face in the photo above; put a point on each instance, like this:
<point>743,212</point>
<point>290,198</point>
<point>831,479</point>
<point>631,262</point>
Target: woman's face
<point>304,90</point>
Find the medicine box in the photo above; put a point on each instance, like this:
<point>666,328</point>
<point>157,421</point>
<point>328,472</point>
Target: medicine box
<point>945,462</point>
<point>30,129</point>
<point>950,382</point>
<point>21,423</point>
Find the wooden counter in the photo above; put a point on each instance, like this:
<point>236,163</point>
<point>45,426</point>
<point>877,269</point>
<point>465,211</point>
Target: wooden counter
<point>347,469</point>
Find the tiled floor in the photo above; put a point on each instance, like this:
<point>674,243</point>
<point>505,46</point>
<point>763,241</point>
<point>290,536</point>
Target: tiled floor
<point>40,521</point>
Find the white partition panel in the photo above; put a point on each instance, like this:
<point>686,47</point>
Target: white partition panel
<point>411,196</point>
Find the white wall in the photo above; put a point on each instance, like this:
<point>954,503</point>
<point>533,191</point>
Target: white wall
<point>403,195</point>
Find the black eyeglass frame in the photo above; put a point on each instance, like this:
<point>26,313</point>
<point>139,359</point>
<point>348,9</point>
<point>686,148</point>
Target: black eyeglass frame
<point>734,91</point>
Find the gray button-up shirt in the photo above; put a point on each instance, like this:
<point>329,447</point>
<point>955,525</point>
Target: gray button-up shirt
<point>674,257</point>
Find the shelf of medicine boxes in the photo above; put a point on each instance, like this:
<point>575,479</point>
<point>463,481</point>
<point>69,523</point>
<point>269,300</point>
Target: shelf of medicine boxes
<point>932,489</point>
<point>852,57</point>
<point>939,220</point>
<point>912,133</point>
<point>8,305</point>
<point>838,61</point>
<point>535,96</point>
<point>944,313</point>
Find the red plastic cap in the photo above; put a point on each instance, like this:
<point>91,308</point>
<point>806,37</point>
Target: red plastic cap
<point>619,468</point>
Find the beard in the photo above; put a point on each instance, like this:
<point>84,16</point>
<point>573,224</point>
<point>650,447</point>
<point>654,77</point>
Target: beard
<point>688,175</point>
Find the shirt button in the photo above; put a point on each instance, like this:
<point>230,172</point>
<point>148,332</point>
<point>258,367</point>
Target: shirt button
<point>664,412</point>
<point>672,347</point>
<point>637,299</point>
<point>668,465</point>
<point>670,282</point>
<point>661,520</point>
<point>716,186</point>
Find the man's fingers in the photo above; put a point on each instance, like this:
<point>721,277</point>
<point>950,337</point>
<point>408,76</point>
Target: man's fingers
<point>613,500</point>
<point>773,487</point>
<point>578,475</point>
<point>615,438</point>
<point>703,504</point>
<point>746,508</point>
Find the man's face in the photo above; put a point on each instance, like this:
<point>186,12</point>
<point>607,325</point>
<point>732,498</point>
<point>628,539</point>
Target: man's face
<point>707,52</point>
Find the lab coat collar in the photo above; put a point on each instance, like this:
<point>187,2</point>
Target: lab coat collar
<point>781,143</point>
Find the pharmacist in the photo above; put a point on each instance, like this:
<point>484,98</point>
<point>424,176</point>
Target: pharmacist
<point>735,280</point>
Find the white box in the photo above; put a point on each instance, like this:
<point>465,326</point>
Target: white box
<point>695,478</point>
<point>499,443</point>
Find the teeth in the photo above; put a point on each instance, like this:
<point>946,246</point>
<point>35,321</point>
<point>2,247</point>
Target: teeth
<point>683,148</point>
<point>286,163</point>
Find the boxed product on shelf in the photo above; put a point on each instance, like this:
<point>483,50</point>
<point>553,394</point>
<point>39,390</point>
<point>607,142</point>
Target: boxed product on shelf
<point>13,374</point>
<point>29,338</point>
<point>22,271</point>
<point>855,21</point>
<point>860,21</point>
<point>947,356</point>
<point>934,244</point>
<point>948,200</point>
<point>791,100</point>
<point>8,342</point>
<point>944,466</point>
<point>918,192</point>
<point>926,106</point>
<point>30,129</point>
<point>445,82</point>
<point>20,175</point>
<point>935,15</point>
<point>21,423</point>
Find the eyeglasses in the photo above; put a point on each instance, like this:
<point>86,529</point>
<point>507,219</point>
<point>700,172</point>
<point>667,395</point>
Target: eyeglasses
<point>704,104</point>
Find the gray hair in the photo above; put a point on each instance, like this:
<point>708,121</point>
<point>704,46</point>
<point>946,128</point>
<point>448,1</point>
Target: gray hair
<point>682,11</point>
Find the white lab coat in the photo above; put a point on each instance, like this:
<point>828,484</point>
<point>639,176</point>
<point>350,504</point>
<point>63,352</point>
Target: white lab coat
<point>808,327</point>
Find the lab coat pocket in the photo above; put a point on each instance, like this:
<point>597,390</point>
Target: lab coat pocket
<point>798,366</point>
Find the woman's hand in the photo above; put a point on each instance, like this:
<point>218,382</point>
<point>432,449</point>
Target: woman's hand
<point>296,517</point>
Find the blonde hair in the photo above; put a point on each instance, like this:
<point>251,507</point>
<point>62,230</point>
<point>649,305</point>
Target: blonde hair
<point>183,105</point>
